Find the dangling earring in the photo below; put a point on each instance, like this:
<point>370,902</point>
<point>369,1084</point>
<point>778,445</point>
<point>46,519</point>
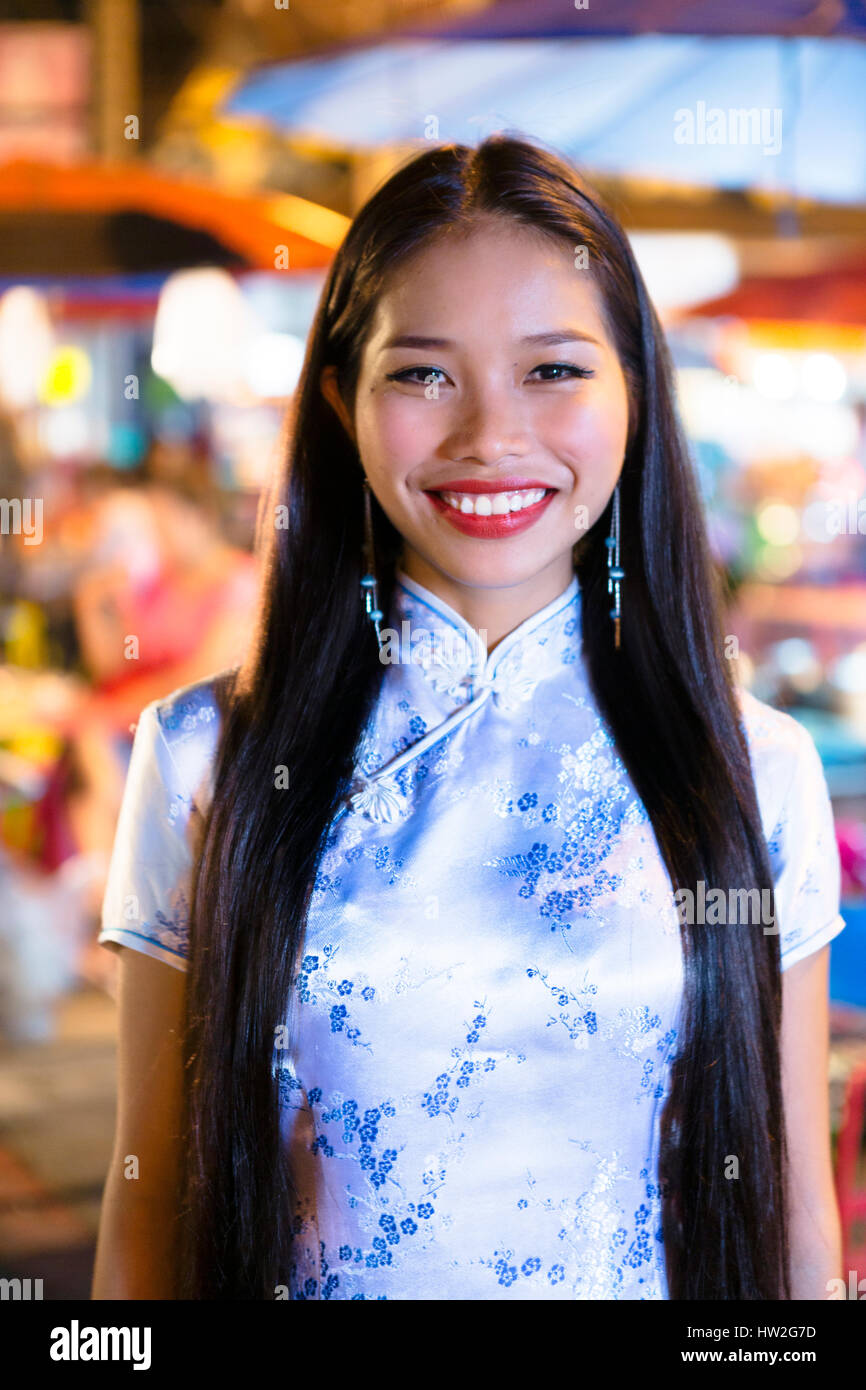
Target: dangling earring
<point>615,573</point>
<point>368,578</point>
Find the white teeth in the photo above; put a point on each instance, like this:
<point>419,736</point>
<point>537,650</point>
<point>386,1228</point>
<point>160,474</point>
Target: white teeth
<point>493,503</point>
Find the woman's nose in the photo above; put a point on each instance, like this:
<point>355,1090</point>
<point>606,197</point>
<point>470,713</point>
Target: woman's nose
<point>491,427</point>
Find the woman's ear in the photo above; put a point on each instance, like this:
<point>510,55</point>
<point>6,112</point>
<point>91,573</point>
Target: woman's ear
<point>331,391</point>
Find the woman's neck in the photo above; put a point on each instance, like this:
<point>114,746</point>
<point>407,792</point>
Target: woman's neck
<point>493,611</point>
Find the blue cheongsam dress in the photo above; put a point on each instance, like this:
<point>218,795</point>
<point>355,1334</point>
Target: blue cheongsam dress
<point>486,1007</point>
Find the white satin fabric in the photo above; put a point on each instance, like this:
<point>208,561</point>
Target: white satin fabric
<point>487,1005</point>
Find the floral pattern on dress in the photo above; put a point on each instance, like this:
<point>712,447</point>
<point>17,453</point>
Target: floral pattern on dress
<point>486,1004</point>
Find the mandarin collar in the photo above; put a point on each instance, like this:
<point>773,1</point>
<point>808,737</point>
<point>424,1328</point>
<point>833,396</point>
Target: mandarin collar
<point>452,654</point>
<point>437,659</point>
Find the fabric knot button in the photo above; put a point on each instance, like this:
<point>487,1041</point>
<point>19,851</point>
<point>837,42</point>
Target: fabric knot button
<point>380,800</point>
<point>509,684</point>
<point>446,664</point>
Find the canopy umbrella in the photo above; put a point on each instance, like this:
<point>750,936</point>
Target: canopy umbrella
<point>550,18</point>
<point>335,28</point>
<point>152,219</point>
<point>830,296</point>
<point>656,107</point>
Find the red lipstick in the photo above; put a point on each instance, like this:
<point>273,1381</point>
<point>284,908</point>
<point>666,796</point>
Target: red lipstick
<point>491,527</point>
<point>490,485</point>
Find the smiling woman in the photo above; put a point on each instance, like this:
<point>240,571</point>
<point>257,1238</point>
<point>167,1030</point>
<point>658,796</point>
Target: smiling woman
<point>504,429</point>
<point>444,1032</point>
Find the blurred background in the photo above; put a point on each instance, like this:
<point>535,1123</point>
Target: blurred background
<point>174,180</point>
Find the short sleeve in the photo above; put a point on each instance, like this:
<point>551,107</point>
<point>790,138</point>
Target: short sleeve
<point>805,857</point>
<point>147,894</point>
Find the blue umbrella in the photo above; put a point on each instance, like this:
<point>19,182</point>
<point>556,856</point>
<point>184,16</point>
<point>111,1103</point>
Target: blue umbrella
<point>777,115</point>
<point>549,18</point>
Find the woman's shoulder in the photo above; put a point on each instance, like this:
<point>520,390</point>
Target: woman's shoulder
<point>168,788</point>
<point>189,719</point>
<point>798,823</point>
<point>785,761</point>
<point>767,728</point>
<point>772,732</point>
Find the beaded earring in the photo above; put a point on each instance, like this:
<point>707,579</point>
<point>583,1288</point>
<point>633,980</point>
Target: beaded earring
<point>615,572</point>
<point>368,578</point>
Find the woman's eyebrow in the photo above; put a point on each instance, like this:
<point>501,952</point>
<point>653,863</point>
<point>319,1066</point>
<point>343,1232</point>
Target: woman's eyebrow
<point>549,338</point>
<point>553,336</point>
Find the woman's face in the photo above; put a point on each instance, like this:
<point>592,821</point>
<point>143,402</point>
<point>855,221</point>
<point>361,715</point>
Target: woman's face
<point>491,453</point>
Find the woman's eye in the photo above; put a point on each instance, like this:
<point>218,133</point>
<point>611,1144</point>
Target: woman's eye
<point>568,367</point>
<point>425,376</point>
<point>422,375</point>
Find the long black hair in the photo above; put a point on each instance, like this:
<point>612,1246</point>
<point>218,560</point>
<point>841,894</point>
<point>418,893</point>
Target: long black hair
<point>300,703</point>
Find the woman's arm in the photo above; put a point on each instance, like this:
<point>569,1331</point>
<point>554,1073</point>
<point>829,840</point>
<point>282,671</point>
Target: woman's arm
<point>134,1248</point>
<point>815,1235</point>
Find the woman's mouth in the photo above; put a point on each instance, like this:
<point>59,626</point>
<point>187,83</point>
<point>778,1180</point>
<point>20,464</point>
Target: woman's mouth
<point>491,510</point>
